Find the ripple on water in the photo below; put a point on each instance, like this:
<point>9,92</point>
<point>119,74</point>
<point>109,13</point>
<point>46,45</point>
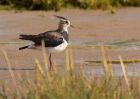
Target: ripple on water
<point>127,44</point>
<point>132,70</point>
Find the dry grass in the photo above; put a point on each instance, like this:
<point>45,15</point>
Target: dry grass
<point>53,85</point>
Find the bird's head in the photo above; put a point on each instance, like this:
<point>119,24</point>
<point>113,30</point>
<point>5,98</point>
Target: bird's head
<point>64,23</point>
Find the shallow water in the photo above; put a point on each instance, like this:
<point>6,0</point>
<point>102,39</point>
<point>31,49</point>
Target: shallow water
<point>116,44</point>
<point>89,68</point>
<point>133,69</point>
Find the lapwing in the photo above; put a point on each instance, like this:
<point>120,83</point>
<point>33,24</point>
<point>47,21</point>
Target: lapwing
<point>54,41</point>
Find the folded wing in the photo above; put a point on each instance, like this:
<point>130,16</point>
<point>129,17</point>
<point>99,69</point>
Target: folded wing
<point>50,38</point>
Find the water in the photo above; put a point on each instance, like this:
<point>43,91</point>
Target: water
<point>133,69</point>
<point>124,44</point>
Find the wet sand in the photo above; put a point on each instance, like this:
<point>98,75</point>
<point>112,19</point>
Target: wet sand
<point>91,28</point>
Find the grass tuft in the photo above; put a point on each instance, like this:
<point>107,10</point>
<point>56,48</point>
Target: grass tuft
<point>71,85</point>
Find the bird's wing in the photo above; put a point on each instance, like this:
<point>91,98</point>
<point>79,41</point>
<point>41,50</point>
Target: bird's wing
<point>50,38</point>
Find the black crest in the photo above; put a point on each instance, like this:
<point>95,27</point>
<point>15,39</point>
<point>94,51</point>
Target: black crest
<point>60,17</point>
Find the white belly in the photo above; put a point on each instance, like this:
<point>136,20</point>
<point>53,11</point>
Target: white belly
<point>58,48</point>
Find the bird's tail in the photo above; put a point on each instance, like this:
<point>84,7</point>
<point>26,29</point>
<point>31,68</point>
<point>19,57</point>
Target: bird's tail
<point>27,37</point>
<point>24,47</point>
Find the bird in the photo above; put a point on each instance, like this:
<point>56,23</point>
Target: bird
<point>54,41</point>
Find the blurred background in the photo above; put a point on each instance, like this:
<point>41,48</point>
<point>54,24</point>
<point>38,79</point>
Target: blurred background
<point>59,4</point>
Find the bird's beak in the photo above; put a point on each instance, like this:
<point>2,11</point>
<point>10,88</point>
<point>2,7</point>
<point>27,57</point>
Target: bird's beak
<point>72,26</point>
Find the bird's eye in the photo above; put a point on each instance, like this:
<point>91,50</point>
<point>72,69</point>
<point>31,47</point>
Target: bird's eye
<point>66,22</point>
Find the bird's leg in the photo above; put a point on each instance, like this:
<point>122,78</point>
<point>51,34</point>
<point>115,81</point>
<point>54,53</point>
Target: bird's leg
<point>50,60</point>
